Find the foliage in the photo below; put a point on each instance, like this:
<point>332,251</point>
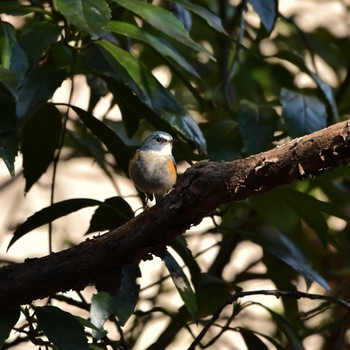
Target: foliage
<point>243,78</point>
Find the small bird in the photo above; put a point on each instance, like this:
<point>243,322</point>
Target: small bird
<point>153,167</point>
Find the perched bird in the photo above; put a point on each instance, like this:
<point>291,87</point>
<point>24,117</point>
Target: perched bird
<point>153,167</point>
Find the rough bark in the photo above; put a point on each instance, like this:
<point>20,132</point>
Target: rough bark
<point>201,189</point>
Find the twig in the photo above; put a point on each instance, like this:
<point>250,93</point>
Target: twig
<point>295,294</point>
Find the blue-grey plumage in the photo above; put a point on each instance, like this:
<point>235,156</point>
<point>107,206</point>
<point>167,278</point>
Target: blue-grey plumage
<point>153,167</point>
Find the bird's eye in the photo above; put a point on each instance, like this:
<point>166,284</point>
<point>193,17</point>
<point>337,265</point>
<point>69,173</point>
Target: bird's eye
<point>158,139</point>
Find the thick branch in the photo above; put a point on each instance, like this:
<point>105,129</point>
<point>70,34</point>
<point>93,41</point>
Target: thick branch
<point>201,189</point>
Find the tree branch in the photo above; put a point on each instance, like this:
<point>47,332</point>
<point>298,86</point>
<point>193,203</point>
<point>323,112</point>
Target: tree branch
<point>201,189</point>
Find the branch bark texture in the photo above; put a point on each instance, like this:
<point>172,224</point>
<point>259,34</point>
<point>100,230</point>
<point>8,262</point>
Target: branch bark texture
<point>201,189</point>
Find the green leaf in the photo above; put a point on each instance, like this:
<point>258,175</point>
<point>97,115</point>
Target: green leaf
<point>34,48</point>
<point>9,81</point>
<point>161,46</point>
<point>303,114</point>
<point>39,140</point>
<point>114,212</point>
<point>35,90</point>
<point>257,126</point>
<point>91,16</point>
<point>7,41</point>
<point>16,9</point>
<point>267,11</point>
<point>212,19</point>
<point>156,97</point>
<point>162,20</point>
<point>8,319</point>
<point>121,304</point>
<point>182,284</point>
<point>252,340</point>
<point>61,328</point>
<point>110,139</point>
<point>51,213</point>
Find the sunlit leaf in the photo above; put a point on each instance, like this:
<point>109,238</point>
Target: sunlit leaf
<point>7,41</point>
<point>162,20</point>
<point>182,284</point>
<point>88,15</point>
<point>164,48</point>
<point>51,213</point>
<point>303,114</point>
<point>61,328</point>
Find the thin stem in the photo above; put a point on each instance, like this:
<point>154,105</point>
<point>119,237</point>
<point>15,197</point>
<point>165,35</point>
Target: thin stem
<point>294,294</point>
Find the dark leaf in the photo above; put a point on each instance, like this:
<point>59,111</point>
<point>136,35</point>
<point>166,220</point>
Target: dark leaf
<point>110,139</point>
<point>156,97</point>
<point>114,212</point>
<point>267,11</point>
<point>303,114</point>
<point>91,16</point>
<point>35,90</point>
<point>9,81</point>
<point>121,304</point>
<point>182,284</point>
<point>8,319</point>
<point>211,18</point>
<point>257,126</point>
<point>61,328</point>
<point>9,150</point>
<point>39,140</point>
<point>51,213</point>
<point>252,340</point>
<point>34,48</point>
<point>16,9</point>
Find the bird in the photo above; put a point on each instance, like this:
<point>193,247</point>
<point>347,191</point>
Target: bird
<point>153,167</point>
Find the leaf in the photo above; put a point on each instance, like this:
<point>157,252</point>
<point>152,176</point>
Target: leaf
<point>9,81</point>
<point>7,41</point>
<point>110,139</point>
<point>91,16</point>
<point>303,114</point>
<point>161,46</point>
<point>267,11</point>
<point>35,90</point>
<point>325,89</point>
<point>182,284</point>
<point>179,244</point>
<point>9,150</point>
<point>16,9</point>
<point>212,19</point>
<point>122,303</point>
<point>34,48</point>
<point>252,340</point>
<point>51,213</point>
<point>8,319</point>
<point>156,97</point>
<point>164,21</point>
<point>280,246</point>
<point>257,126</point>
<point>39,140</point>
<point>114,212</point>
<point>61,328</point>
